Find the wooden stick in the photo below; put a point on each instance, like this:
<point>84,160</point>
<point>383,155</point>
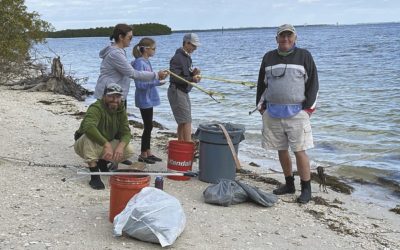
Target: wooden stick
<point>208,92</point>
<point>244,83</point>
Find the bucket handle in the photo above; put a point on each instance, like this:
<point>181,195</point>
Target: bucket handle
<point>228,139</point>
<point>226,134</point>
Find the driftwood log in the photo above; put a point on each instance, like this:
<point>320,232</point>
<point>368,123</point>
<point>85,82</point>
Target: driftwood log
<point>56,81</point>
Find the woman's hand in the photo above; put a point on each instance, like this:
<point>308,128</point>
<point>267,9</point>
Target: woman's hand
<point>162,74</point>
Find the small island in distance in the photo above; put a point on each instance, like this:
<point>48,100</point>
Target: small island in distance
<point>146,29</point>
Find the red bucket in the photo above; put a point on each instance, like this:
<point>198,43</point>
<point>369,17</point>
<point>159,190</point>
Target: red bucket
<point>123,188</point>
<point>180,158</point>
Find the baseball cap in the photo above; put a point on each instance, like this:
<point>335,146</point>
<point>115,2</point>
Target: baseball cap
<point>193,38</point>
<point>112,89</point>
<point>286,27</point>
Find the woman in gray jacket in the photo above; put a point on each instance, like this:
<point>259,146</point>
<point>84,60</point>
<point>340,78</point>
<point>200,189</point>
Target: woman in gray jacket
<point>115,67</point>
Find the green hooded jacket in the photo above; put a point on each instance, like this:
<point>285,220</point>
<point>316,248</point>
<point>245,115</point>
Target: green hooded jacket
<point>102,125</point>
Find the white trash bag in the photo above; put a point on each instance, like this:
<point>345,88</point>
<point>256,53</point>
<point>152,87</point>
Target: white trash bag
<point>152,215</point>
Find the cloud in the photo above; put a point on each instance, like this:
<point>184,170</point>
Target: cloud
<point>207,14</point>
<point>308,1</point>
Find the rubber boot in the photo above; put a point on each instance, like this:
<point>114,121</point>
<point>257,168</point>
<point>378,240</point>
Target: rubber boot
<point>288,188</point>
<point>102,165</point>
<point>95,180</point>
<point>305,195</point>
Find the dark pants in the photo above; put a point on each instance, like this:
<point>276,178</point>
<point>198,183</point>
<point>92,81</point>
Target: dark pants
<point>147,116</point>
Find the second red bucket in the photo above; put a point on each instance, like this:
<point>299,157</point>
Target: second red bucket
<point>123,188</point>
<point>180,158</point>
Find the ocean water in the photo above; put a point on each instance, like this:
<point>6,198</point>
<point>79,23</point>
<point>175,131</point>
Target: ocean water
<point>356,126</point>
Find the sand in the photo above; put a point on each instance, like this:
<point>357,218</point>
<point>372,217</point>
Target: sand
<point>39,211</point>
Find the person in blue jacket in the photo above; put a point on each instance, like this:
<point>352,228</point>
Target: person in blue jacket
<point>146,94</point>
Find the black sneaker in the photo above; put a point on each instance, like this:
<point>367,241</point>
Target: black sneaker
<point>305,195</point>
<point>145,159</point>
<point>103,165</point>
<point>96,183</point>
<point>154,158</point>
<point>284,189</point>
<point>288,188</point>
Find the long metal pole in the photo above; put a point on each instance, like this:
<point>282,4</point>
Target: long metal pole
<point>189,174</point>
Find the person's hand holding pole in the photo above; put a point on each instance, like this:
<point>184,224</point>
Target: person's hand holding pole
<point>162,74</point>
<point>261,107</point>
<point>196,78</point>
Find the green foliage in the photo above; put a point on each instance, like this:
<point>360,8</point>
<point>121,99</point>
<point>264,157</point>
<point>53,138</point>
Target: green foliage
<point>147,29</point>
<point>151,29</point>
<point>19,30</point>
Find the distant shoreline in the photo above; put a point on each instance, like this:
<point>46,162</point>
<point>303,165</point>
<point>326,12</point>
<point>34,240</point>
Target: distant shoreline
<point>237,29</point>
<point>273,27</point>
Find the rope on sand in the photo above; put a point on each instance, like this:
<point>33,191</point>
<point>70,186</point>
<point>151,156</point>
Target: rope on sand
<point>31,163</point>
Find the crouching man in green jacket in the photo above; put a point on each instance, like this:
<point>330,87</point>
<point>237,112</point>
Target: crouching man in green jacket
<point>104,134</point>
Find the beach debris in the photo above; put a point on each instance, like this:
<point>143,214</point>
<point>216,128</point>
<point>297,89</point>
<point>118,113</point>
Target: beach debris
<point>316,214</point>
<point>396,209</point>
<point>318,200</point>
<point>138,124</point>
<point>56,81</point>
<point>337,201</point>
<point>257,177</point>
<point>322,178</point>
<point>79,114</point>
<point>334,183</point>
<point>253,164</point>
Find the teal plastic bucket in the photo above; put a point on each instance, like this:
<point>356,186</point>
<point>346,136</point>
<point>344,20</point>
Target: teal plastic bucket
<point>215,157</point>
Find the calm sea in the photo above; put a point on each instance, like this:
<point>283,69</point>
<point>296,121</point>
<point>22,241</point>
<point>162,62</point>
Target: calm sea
<point>357,119</point>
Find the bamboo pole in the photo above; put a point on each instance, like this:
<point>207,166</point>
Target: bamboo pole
<point>208,92</point>
<point>244,83</point>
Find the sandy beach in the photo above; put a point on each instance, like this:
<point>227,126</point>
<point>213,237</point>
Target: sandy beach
<point>39,211</point>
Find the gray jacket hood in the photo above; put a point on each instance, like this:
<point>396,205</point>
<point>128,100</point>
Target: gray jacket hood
<point>107,50</point>
<point>115,68</point>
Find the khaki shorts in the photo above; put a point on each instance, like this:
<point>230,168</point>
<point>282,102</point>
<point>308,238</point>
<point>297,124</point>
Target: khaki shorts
<point>180,105</point>
<point>91,151</point>
<point>280,133</point>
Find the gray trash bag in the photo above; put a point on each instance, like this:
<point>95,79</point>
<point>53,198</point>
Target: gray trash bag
<point>224,193</point>
<point>259,196</point>
<point>153,216</point>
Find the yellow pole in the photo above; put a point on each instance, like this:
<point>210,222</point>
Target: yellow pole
<point>208,92</point>
<point>244,83</point>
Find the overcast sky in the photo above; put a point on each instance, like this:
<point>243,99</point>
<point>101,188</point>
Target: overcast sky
<point>209,14</point>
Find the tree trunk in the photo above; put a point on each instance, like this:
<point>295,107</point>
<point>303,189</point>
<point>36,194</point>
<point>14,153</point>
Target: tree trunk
<point>55,82</point>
